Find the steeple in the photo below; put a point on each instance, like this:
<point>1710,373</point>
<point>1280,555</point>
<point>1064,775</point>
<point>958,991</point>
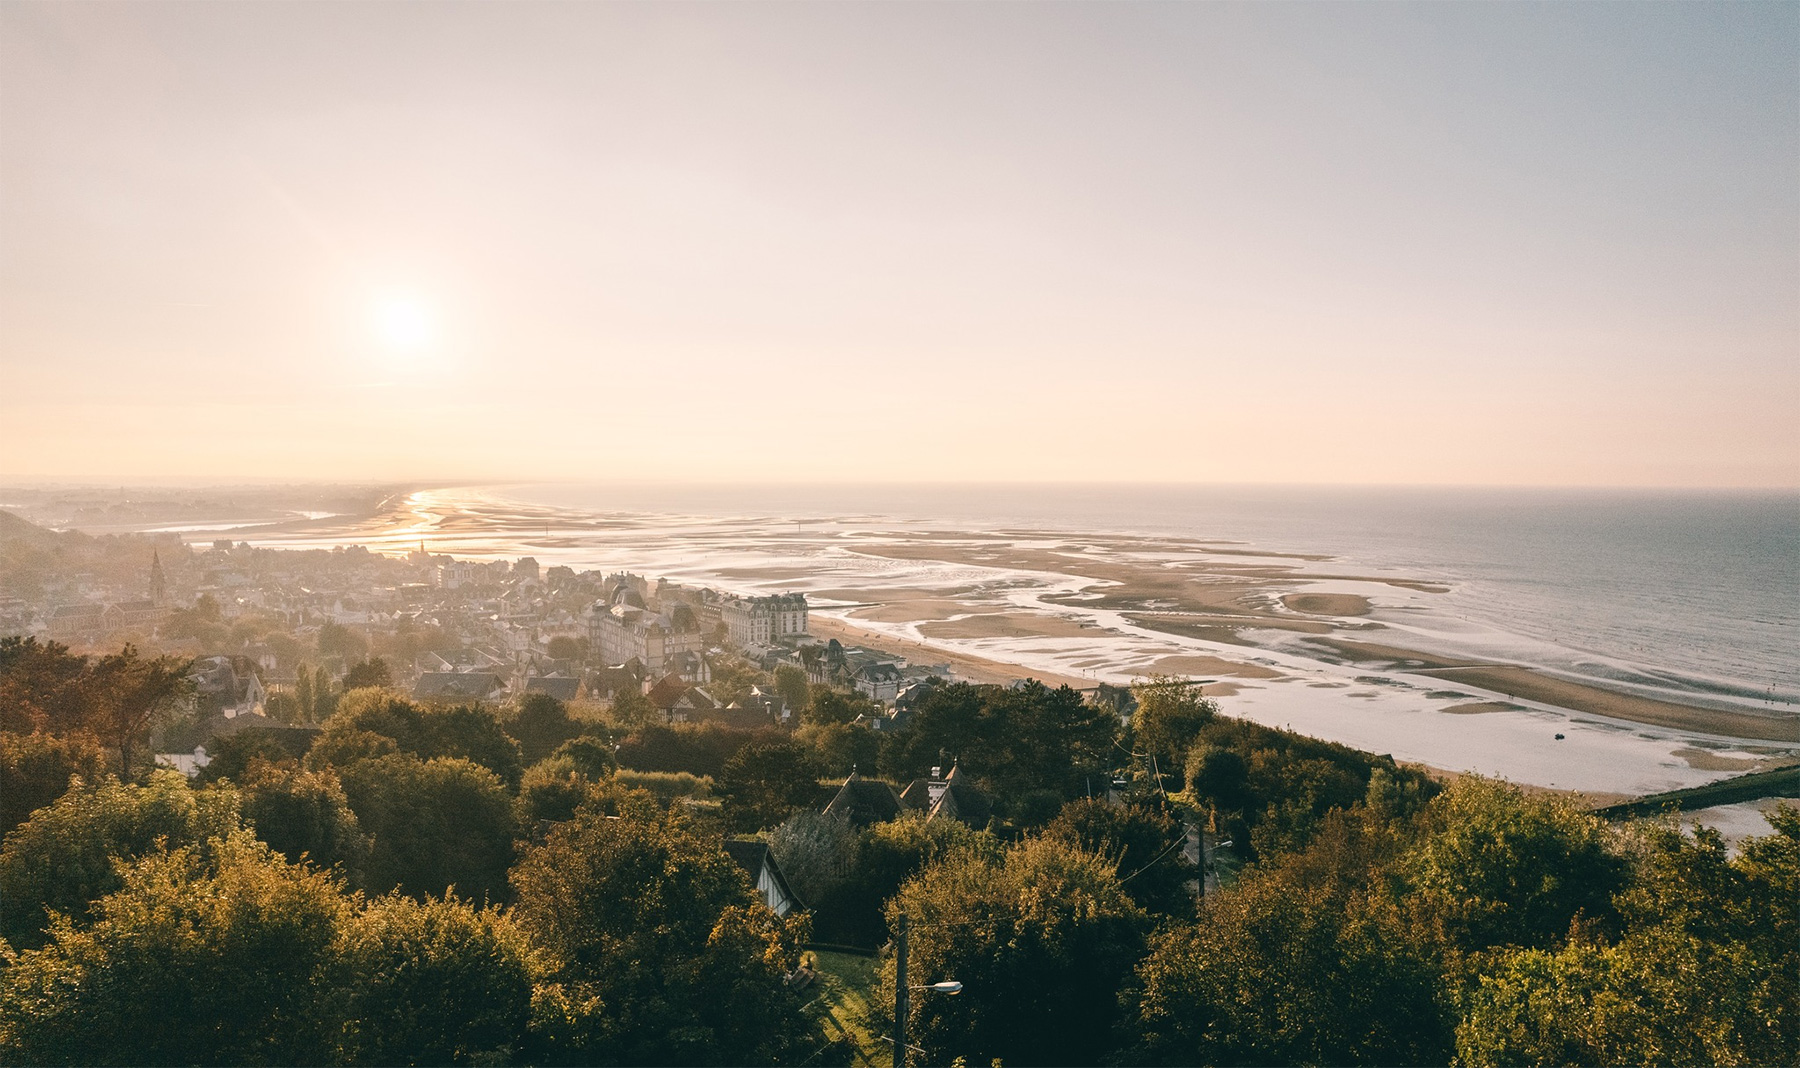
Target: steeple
<point>159,587</point>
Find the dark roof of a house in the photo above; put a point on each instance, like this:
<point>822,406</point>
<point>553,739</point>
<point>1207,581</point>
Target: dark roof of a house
<point>563,689</point>
<point>917,795</point>
<point>457,684</point>
<point>667,691</point>
<point>753,857</point>
<point>865,801</point>
<point>961,801</point>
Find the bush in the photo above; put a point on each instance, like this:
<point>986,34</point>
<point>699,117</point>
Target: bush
<point>35,770</point>
<point>666,786</point>
<point>435,825</point>
<point>214,955</point>
<point>433,983</point>
<point>61,859</point>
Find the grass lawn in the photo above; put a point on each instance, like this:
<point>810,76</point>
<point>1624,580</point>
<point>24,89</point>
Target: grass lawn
<point>846,983</point>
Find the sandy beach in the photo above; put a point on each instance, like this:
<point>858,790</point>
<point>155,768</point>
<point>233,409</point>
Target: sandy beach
<point>1368,657</point>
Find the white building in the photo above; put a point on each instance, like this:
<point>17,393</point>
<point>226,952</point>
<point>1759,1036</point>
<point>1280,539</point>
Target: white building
<point>763,620</point>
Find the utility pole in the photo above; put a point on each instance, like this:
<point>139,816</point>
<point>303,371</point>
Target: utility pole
<point>900,993</point>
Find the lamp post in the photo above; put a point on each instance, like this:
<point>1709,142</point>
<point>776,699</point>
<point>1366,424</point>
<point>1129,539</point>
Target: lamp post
<point>903,993</point>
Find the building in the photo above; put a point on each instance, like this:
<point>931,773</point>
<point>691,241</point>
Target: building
<point>763,620</point>
<point>759,864</point>
<point>459,686</point>
<point>624,628</point>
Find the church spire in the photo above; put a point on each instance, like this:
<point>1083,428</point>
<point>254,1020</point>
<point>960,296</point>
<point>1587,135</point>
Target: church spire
<point>159,587</point>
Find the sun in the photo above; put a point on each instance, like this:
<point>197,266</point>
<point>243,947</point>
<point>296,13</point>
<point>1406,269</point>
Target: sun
<point>404,324</point>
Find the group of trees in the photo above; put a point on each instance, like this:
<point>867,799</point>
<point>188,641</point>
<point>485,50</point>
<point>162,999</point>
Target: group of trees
<point>632,939</point>
<point>410,891</point>
<point>434,884</point>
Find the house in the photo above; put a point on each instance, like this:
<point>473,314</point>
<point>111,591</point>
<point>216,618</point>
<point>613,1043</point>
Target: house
<point>759,864</point>
<point>763,620</point>
<point>950,796</point>
<point>561,687</point>
<point>75,620</point>
<point>877,681</point>
<point>221,687</point>
<point>865,801</point>
<point>960,800</point>
<point>459,686</point>
<point>624,627</point>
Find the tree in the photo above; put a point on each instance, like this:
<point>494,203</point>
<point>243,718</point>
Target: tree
<point>229,756</point>
<point>631,710</point>
<point>1304,961</point>
<point>433,983</point>
<point>43,686</point>
<point>335,639</point>
<point>1496,867</point>
<point>303,815</point>
<point>435,825</point>
<point>61,859</point>
<point>840,748</point>
<point>369,673</point>
<point>126,694</point>
<point>826,704</point>
<point>559,784</point>
<point>763,783</point>
<point>564,647</point>
<point>1042,939</point>
<point>659,952</point>
<point>472,731</point>
<point>1145,845</point>
<point>1010,740</point>
<point>285,708</point>
<point>303,693</point>
<point>324,695</point>
<point>791,684</point>
<point>1706,969</point>
<point>539,725</point>
<point>1170,716</point>
<point>817,853</point>
<point>35,769</point>
<point>218,955</point>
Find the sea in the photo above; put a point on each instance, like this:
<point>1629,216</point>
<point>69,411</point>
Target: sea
<point>1690,592</point>
<point>1685,596</point>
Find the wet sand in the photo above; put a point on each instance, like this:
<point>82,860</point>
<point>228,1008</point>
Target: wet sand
<point>966,667</point>
<point>1328,604</point>
<point>1533,685</point>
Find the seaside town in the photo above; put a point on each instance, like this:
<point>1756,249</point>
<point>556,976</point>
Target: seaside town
<point>810,535</point>
<point>257,620</point>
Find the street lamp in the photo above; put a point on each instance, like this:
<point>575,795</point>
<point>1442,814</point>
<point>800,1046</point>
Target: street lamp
<point>902,992</point>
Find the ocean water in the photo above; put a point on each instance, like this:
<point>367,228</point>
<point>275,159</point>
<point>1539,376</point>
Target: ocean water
<point>1693,593</point>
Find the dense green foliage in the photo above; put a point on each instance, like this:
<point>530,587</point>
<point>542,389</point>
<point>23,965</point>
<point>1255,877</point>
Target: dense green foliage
<point>579,911</point>
<point>61,860</point>
<point>219,955</point>
<point>696,748</point>
<point>471,732</point>
<point>659,952</point>
<point>1143,843</point>
<point>303,815</point>
<point>436,824</point>
<point>35,769</point>
<point>1014,742</point>
<point>432,983</point>
<point>1042,939</point>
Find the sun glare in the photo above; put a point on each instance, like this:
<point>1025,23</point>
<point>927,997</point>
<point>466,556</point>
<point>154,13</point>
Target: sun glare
<point>404,324</point>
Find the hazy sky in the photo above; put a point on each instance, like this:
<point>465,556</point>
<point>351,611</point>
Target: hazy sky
<point>1476,243</point>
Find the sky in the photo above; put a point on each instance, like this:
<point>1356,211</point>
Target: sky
<point>1485,244</point>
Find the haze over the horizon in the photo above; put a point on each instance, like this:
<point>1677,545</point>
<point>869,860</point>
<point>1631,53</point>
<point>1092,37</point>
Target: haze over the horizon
<point>1506,244</point>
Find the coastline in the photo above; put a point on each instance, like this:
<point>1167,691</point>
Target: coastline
<point>1295,639</point>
